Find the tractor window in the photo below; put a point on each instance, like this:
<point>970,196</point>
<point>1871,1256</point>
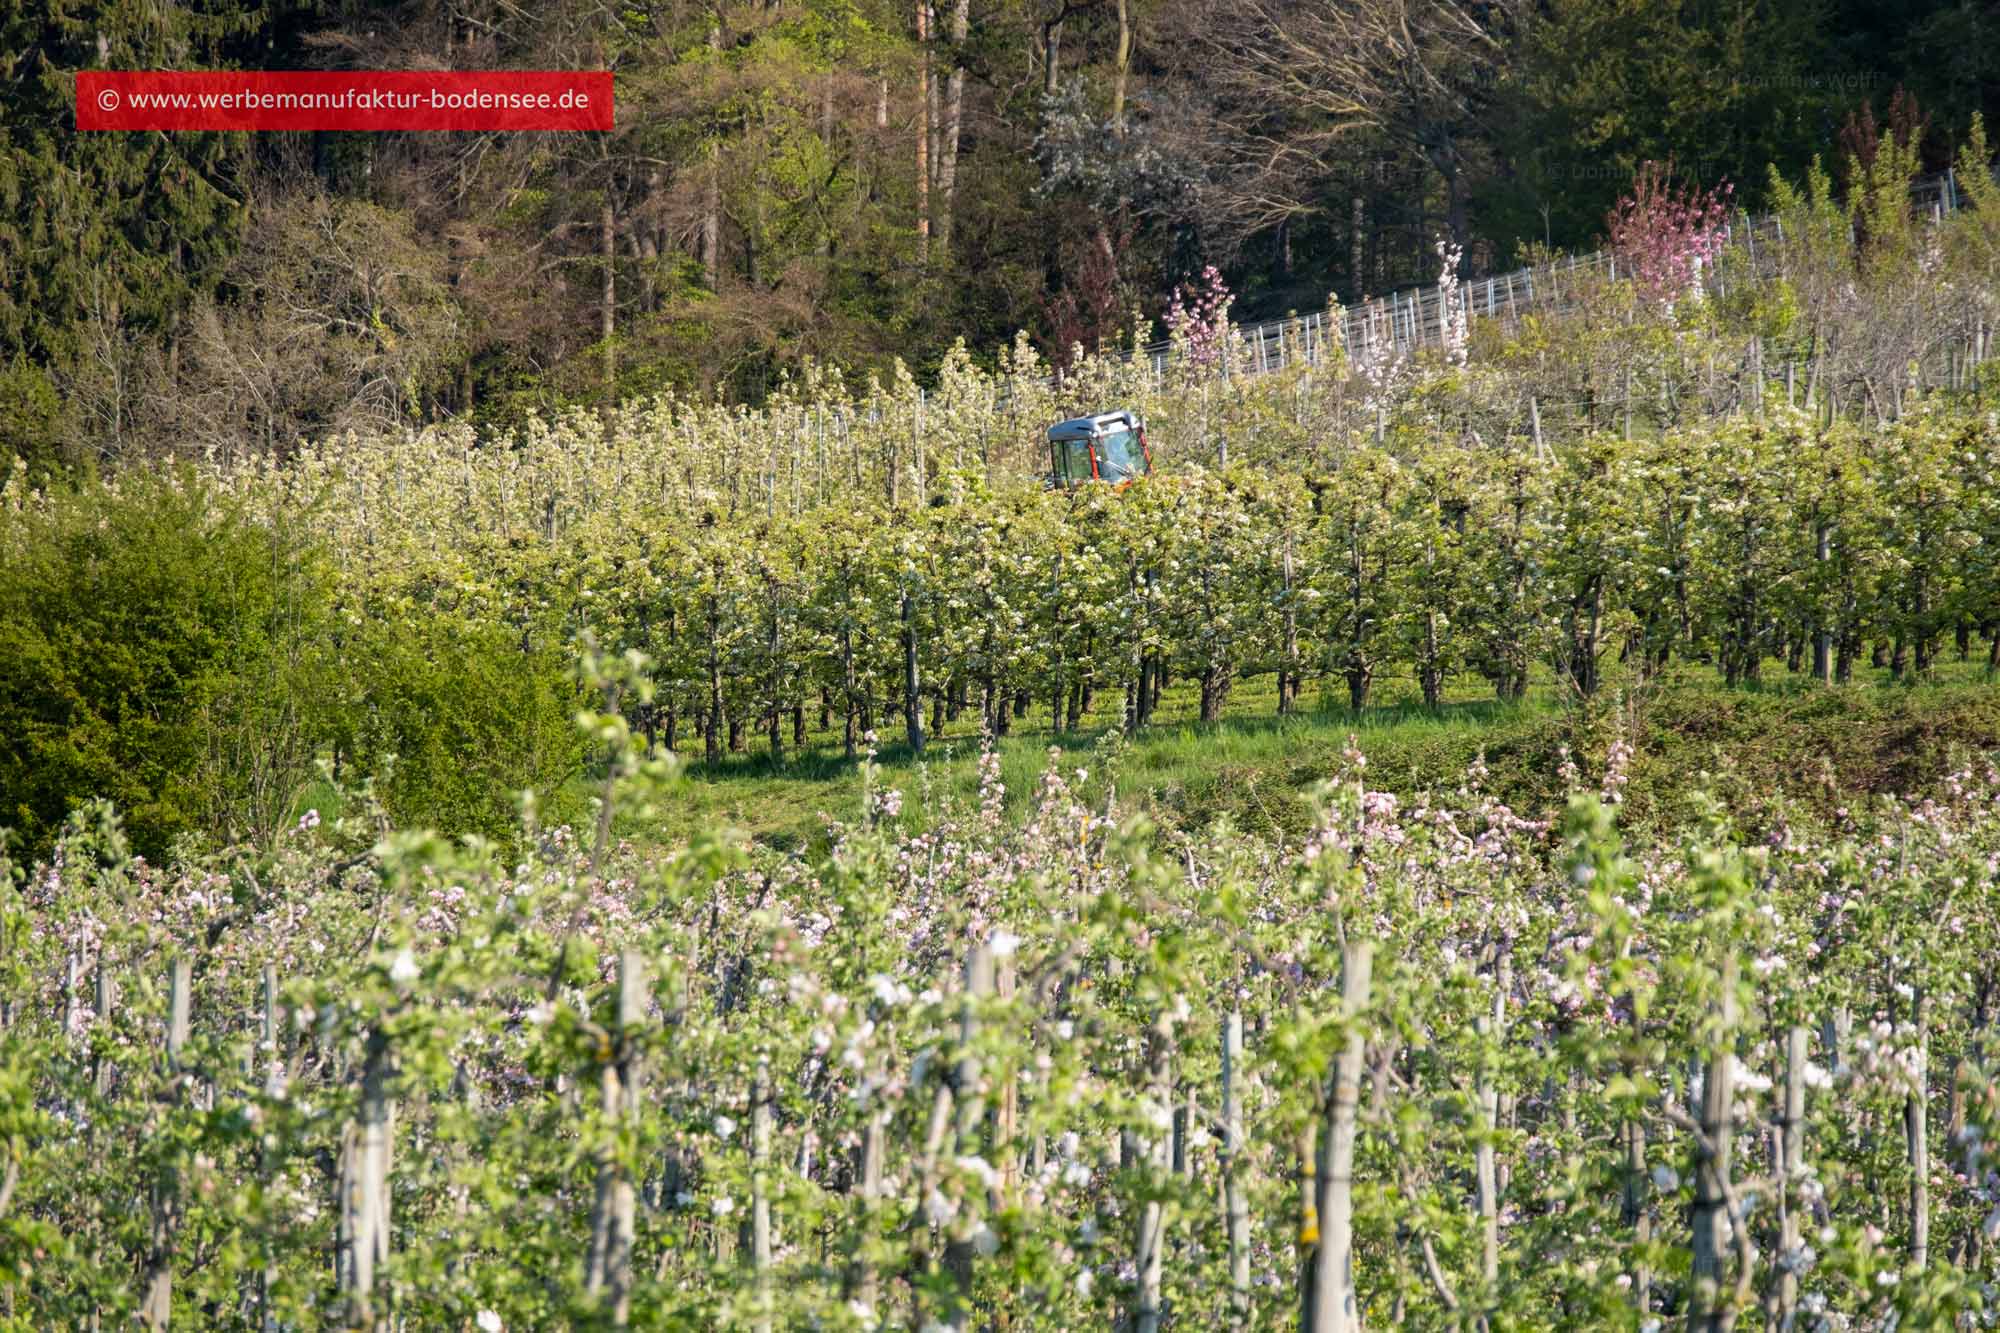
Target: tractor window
<point>1076,459</point>
<point>1119,456</point>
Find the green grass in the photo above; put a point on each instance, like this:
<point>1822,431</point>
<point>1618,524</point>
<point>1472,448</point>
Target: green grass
<point>1785,739</point>
<point>1818,747</point>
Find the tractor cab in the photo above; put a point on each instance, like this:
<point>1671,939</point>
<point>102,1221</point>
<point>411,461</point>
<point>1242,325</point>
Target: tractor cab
<point>1110,446</point>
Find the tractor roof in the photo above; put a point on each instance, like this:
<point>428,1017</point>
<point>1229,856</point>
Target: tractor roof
<point>1082,428</point>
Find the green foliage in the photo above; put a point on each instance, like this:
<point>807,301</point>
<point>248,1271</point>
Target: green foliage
<point>157,647</point>
<point>946,1073</point>
<point>460,718</point>
<point>104,233</point>
<point>32,420</point>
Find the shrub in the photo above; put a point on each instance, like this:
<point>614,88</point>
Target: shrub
<point>158,646</point>
<point>32,420</point>
<point>472,713</point>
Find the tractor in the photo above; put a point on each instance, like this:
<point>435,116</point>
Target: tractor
<point>1110,446</point>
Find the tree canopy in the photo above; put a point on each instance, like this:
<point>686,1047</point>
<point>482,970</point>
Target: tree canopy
<point>851,181</point>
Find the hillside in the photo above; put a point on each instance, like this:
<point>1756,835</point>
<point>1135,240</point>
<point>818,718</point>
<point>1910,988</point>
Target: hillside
<point>1499,829</point>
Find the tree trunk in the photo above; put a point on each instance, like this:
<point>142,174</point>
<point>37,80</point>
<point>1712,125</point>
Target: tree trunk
<point>913,717</point>
<point>1356,251</point>
<point>1288,673</point>
<point>1430,676</point>
<point>776,725</point>
<point>1122,68</point>
<point>947,158</point>
<point>1823,634</point>
<point>926,95</point>
<point>1211,693</point>
<point>847,692</point>
<point>1051,56</point>
<point>1456,215</point>
<point>607,224</point>
<point>712,731</point>
<point>711,194</point>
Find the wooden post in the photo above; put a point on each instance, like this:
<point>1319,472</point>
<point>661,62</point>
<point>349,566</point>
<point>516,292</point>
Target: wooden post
<point>1150,1248</point>
<point>1916,1128</point>
<point>1006,1115</point>
<point>760,1194</point>
<point>970,1098</point>
<point>1791,1161</point>
<point>157,1305</point>
<point>107,1001</point>
<point>364,1186</point>
<point>1236,1203</point>
<point>1334,1307</point>
<point>1757,356</point>
<point>873,1143</point>
<point>275,1065</point>
<point>274,1085</point>
<point>72,995</point>
<point>979,983</point>
<point>1708,1309</point>
<point>613,1221</point>
<point>1492,1030</point>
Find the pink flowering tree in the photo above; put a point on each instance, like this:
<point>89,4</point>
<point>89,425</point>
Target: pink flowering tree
<point>1198,318</point>
<point>1664,233</point>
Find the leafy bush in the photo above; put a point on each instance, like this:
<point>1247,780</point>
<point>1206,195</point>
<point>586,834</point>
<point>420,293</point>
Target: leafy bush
<point>157,647</point>
<point>31,417</point>
<point>463,716</point>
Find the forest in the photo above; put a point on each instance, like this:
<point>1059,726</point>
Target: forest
<point>841,182</point>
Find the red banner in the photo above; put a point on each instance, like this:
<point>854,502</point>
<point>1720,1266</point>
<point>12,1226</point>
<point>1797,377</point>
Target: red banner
<point>343,100</point>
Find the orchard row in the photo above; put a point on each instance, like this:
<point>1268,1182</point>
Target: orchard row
<point>1437,1064</point>
<point>1739,544</point>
